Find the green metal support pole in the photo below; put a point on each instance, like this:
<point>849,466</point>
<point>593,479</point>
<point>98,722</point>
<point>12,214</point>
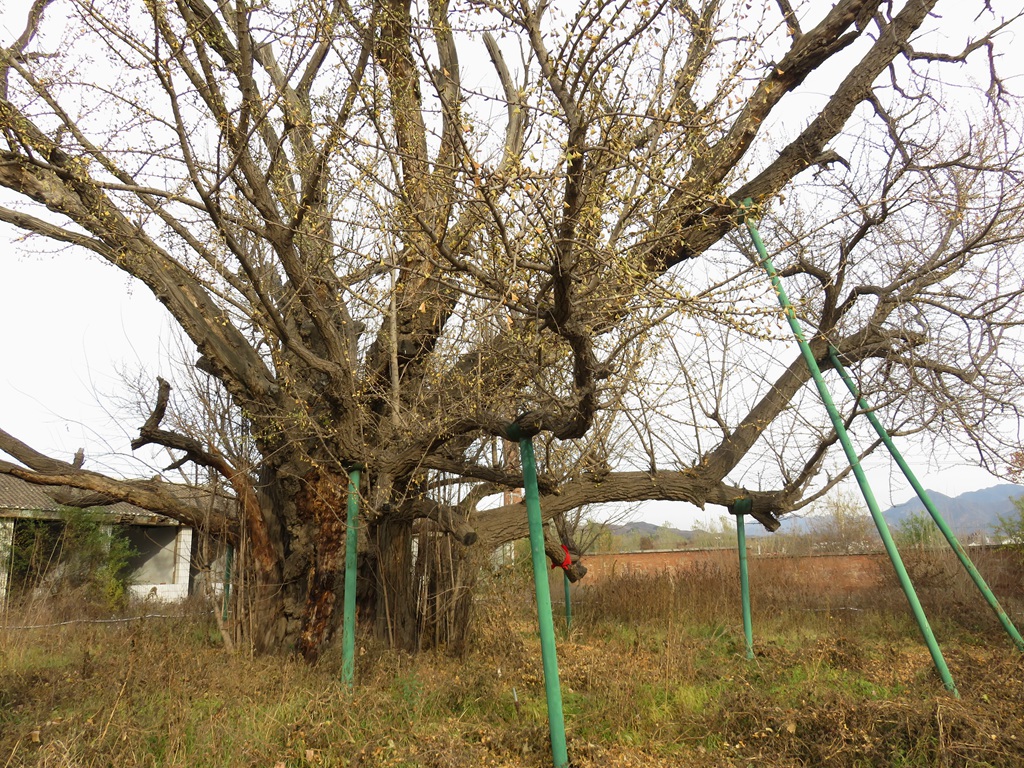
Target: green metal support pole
<point>568,603</point>
<point>348,632</point>
<point>922,494</point>
<point>741,544</point>
<point>228,557</point>
<point>556,719</point>
<point>851,456</point>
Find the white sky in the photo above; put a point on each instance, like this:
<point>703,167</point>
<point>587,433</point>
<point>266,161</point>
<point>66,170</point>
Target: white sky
<point>70,323</point>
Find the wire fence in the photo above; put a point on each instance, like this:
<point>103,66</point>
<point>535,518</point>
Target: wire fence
<point>105,621</point>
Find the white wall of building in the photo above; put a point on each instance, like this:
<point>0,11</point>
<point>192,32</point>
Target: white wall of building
<point>165,573</point>
<point>6,555</point>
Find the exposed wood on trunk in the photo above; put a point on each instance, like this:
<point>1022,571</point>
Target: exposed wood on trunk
<point>321,503</point>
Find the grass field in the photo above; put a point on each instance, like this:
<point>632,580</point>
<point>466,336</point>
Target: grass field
<point>653,674</point>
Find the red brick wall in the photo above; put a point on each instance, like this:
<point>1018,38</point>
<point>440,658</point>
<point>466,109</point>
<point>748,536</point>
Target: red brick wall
<point>832,573</point>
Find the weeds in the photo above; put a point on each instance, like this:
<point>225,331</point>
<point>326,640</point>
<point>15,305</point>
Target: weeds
<point>76,559</point>
<point>653,674</point>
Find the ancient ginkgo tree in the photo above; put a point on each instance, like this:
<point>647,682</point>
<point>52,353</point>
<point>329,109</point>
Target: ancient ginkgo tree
<point>392,229</point>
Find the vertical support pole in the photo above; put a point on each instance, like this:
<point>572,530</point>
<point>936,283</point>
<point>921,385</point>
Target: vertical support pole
<point>552,689</point>
<point>182,560</point>
<point>568,604</point>
<point>229,556</point>
<point>922,494</point>
<point>851,455</point>
<point>348,632</point>
<point>739,510</point>
<point>6,562</point>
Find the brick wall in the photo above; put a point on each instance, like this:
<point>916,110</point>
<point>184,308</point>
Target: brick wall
<point>828,573</point>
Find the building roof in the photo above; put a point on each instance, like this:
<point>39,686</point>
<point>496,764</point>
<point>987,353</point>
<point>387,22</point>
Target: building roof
<point>19,498</point>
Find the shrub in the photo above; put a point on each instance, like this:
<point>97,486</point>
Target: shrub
<point>1011,527</point>
<point>77,555</point>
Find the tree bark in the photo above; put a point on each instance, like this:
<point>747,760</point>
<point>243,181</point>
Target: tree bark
<point>395,597</point>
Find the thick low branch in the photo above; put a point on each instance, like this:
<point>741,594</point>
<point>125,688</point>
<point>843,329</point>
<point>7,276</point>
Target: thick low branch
<point>508,523</point>
<point>32,458</point>
<point>558,550</point>
<point>448,518</point>
<point>151,495</point>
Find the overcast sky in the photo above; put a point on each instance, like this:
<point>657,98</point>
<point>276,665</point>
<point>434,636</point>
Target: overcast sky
<point>72,323</point>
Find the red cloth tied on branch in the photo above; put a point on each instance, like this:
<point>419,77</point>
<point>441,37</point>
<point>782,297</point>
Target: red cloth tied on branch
<point>565,564</point>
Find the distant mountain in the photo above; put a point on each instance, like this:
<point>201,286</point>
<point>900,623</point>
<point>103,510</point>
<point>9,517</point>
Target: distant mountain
<point>966,513</point>
<point>974,511</point>
<point>648,529</point>
<point>971,512</point>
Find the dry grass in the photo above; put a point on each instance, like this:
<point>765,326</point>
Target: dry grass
<point>652,674</point>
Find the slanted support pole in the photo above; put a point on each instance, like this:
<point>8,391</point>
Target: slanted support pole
<point>348,632</point>
<point>739,509</point>
<point>853,459</point>
<point>926,499</point>
<point>552,688</point>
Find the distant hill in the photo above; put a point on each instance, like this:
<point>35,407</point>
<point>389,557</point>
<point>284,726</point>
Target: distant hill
<point>648,529</point>
<point>966,513</point>
<point>638,534</point>
<point>974,511</point>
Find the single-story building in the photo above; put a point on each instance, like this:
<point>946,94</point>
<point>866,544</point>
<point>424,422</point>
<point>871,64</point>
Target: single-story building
<point>161,548</point>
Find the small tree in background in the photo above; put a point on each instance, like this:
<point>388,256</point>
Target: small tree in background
<point>1011,527</point>
<point>843,526</point>
<point>717,532</point>
<point>917,532</point>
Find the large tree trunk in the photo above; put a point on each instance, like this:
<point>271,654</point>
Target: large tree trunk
<point>254,609</point>
<point>293,607</point>
<point>257,619</point>
<point>320,509</point>
<point>420,586</point>
<point>445,576</point>
<point>414,590</point>
<point>394,619</point>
